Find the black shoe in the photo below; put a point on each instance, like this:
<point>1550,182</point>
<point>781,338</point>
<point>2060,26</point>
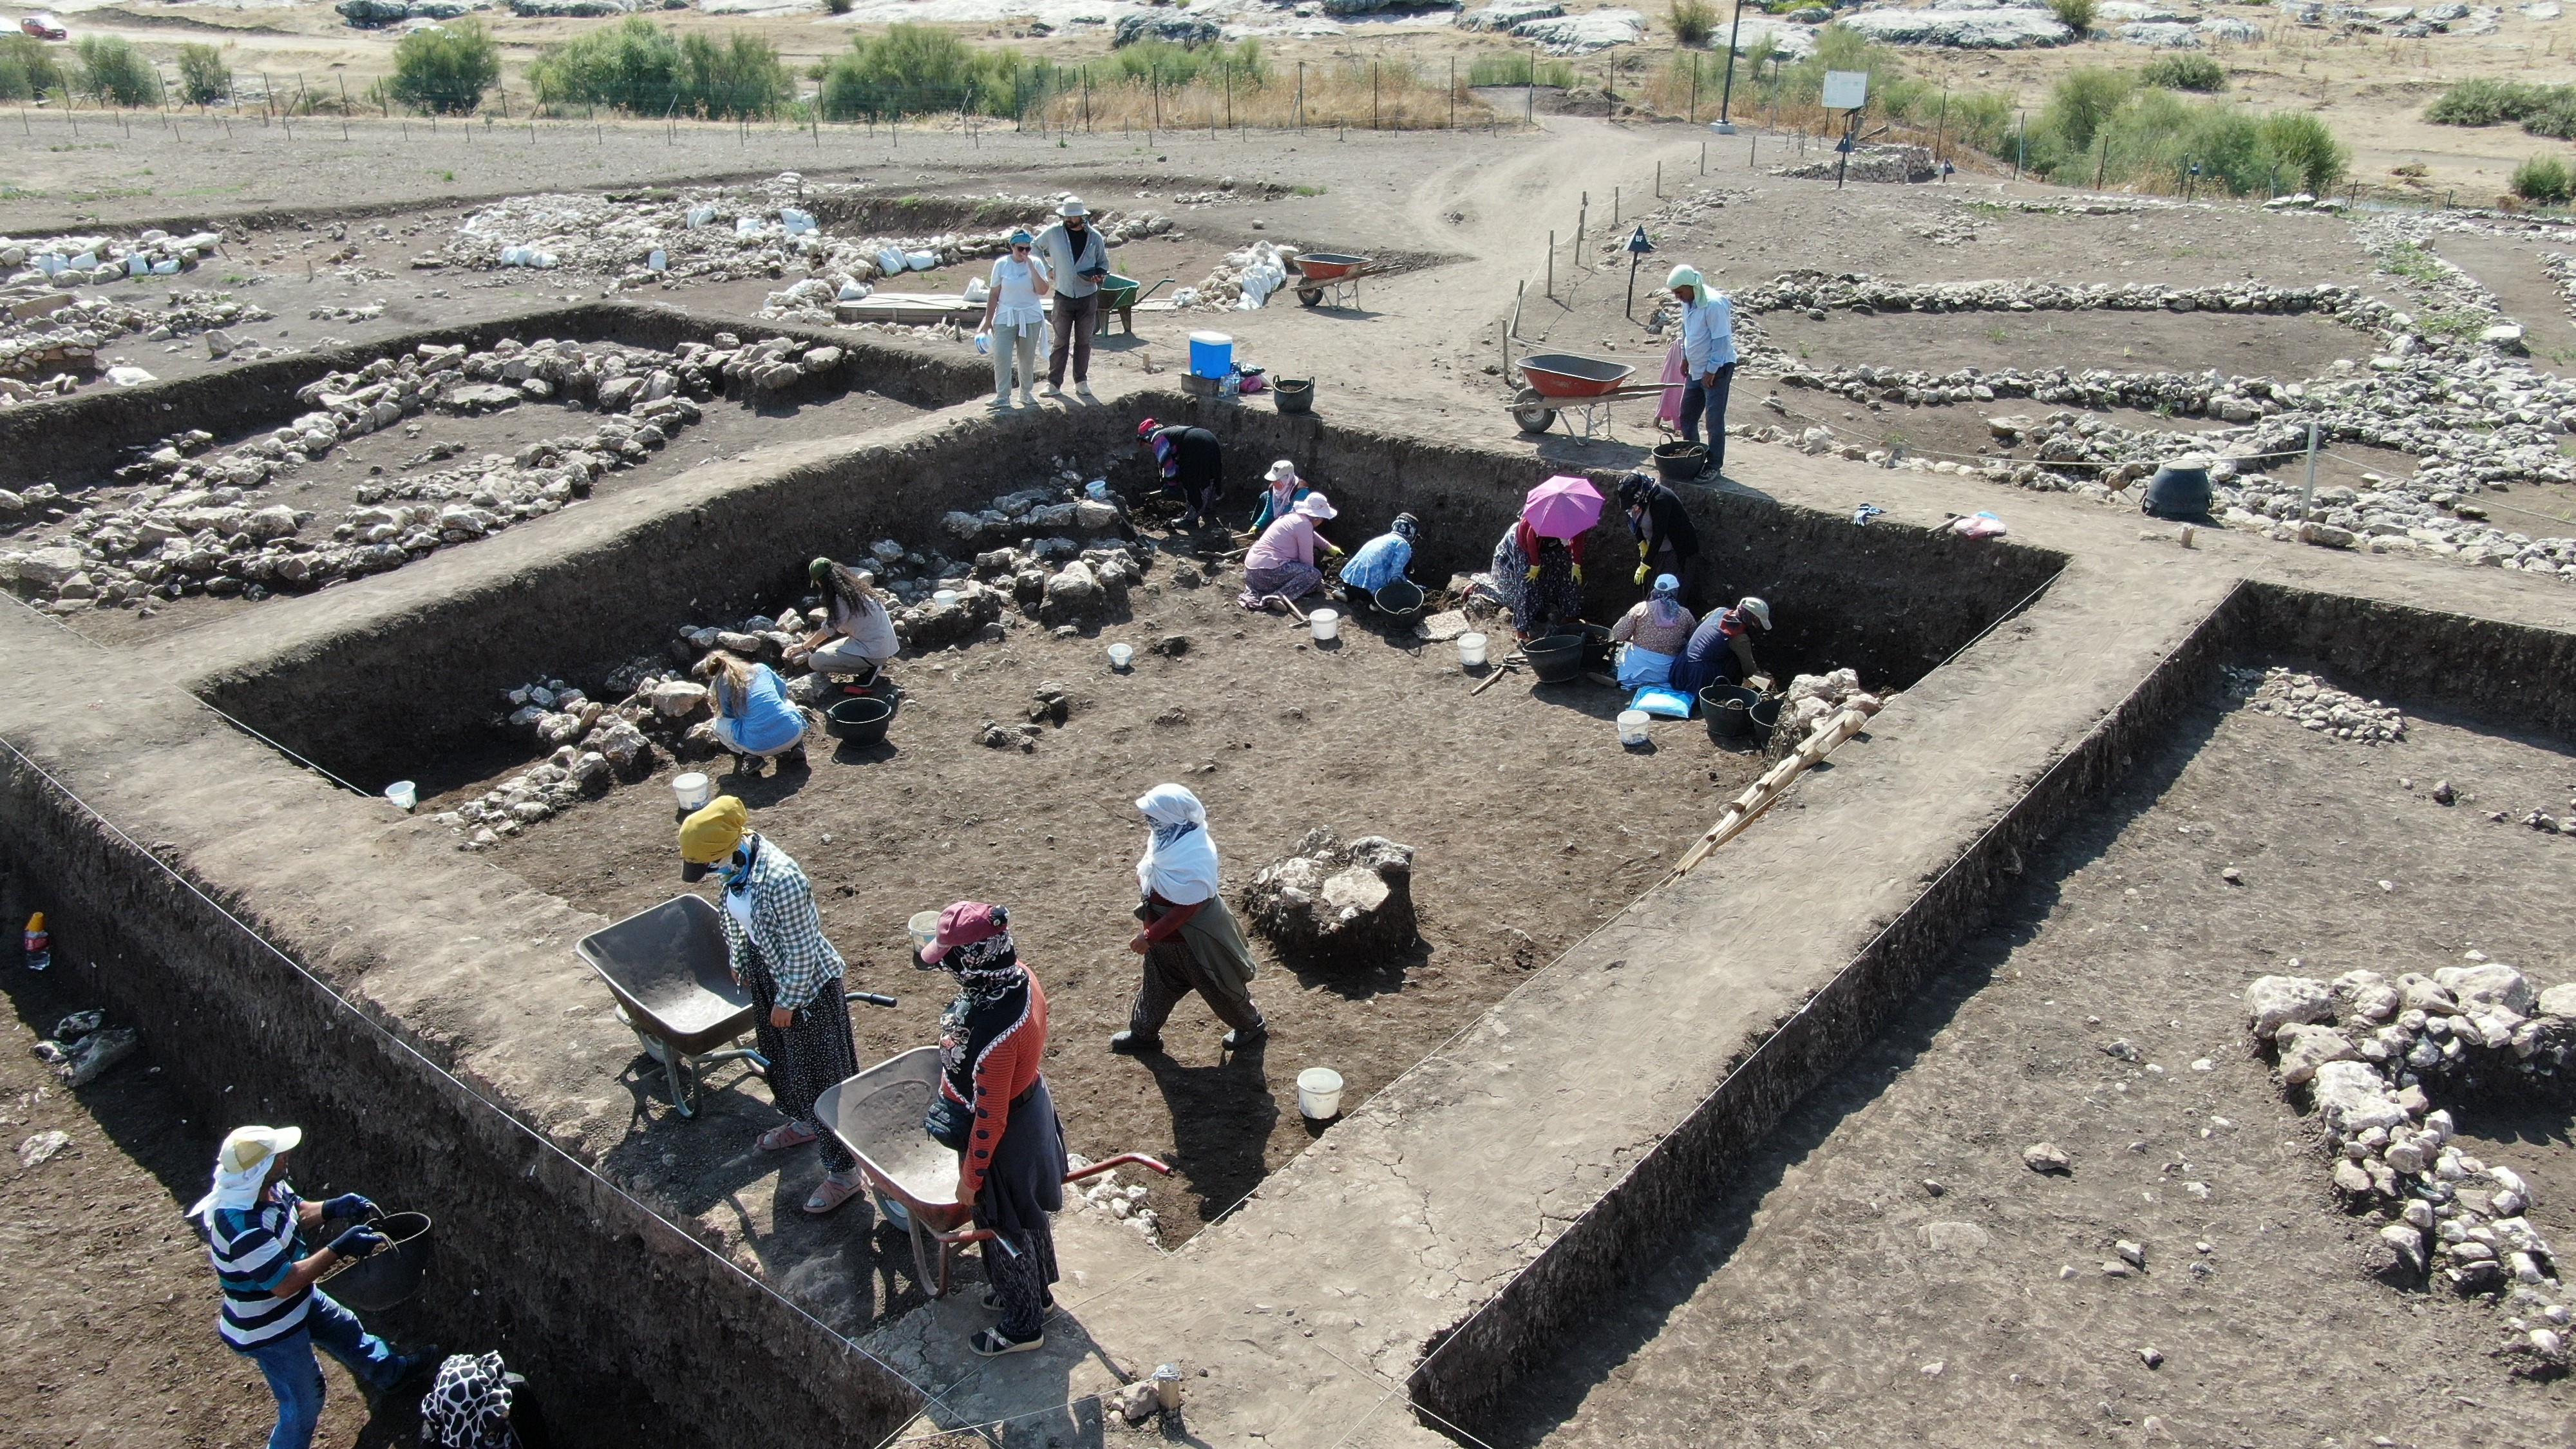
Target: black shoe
<point>1128,1043</point>
<point>991,1343</point>
<point>1238,1040</point>
<point>993,1302</point>
<point>792,760</point>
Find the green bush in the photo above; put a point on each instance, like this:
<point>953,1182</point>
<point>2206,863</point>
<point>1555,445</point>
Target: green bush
<point>2544,179</point>
<point>909,70</point>
<point>1518,68</point>
<point>1694,21</point>
<point>2557,118</point>
<point>111,69</point>
<point>27,68</point>
<point>2481,102</point>
<point>2075,15</point>
<point>2303,147</point>
<point>2180,72</point>
<point>1178,65</point>
<point>203,77</point>
<point>446,67</point>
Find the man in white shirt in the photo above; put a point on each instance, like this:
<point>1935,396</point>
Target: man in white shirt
<point>1014,315</point>
<point>1077,256</point>
<point>1708,355</point>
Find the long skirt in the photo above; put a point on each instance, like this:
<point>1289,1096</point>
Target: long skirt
<point>1026,1184</point>
<point>1292,580</point>
<point>810,1053</point>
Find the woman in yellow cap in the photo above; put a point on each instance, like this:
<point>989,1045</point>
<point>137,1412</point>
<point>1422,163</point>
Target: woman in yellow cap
<point>774,945</point>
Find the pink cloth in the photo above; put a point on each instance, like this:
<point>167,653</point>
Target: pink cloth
<point>1676,377</point>
<point>1287,540</point>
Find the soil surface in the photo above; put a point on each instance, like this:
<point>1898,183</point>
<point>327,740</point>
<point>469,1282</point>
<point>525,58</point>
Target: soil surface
<point>1836,1295</point>
<point>1531,823</point>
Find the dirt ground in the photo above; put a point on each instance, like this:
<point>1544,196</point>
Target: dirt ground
<point>113,1339</point>
<point>1532,827</point>
<point>1833,1296</point>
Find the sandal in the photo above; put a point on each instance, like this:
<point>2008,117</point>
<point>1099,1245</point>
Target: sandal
<point>991,1344</point>
<point>786,1135</point>
<point>992,1302</point>
<point>834,1190</point>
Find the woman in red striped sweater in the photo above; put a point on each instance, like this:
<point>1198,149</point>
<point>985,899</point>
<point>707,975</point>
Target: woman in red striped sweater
<point>994,1109</point>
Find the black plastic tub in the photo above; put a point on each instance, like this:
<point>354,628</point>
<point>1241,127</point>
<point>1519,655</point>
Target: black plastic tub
<point>1680,462</point>
<point>1765,715</point>
<point>1293,394</point>
<point>1728,711</point>
<point>374,1284</point>
<point>860,719</point>
<point>1556,659</point>
<point>1397,599</point>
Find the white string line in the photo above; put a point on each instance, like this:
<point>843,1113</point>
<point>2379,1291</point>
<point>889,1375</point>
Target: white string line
<point>407,1049</point>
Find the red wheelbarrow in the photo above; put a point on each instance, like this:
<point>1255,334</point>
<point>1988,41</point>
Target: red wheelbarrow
<point>1560,380</point>
<point>1319,271</point>
<point>878,1115</point>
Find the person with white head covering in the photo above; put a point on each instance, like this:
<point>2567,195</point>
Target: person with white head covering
<point>1281,488</point>
<point>1078,256</point>
<point>1190,941</point>
<point>1282,563</point>
<point>254,1227</point>
<point>1653,632</point>
<point>1708,353</point>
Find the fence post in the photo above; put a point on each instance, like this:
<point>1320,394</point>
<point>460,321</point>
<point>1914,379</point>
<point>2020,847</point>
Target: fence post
<point>1453,93</point>
<point>1551,266</point>
<point>1374,124</point>
<point>1301,98</point>
<point>1694,100</point>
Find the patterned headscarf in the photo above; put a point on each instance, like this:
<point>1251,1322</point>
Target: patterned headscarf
<point>1408,528</point>
<point>986,971</point>
<point>1664,605</point>
<point>468,1405</point>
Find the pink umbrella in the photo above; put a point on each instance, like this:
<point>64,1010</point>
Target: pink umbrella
<point>1562,507</point>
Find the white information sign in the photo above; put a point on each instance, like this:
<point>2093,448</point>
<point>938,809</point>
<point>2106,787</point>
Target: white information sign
<point>1846,90</point>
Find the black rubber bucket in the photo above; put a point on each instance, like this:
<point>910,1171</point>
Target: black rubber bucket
<point>1293,394</point>
<point>861,719</point>
<point>1679,462</point>
<point>1728,711</point>
<point>1556,659</point>
<point>1765,715</point>
<point>374,1284</point>
<point>1398,599</point>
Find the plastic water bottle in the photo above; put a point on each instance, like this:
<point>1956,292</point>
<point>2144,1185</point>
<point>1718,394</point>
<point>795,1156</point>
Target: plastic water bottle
<point>1098,488</point>
<point>40,943</point>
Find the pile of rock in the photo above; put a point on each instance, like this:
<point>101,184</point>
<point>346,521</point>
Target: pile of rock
<point>1889,163</point>
<point>2375,1055</point>
<point>73,260</point>
<point>2317,705</point>
<point>2562,270</point>
<point>1245,279</point>
<point>1815,292</point>
<point>46,331</point>
<point>82,1047</point>
<point>193,524</point>
<point>367,14</point>
<point>1812,700</point>
<point>1351,904</point>
<point>1988,27</point>
<point>1123,1202</point>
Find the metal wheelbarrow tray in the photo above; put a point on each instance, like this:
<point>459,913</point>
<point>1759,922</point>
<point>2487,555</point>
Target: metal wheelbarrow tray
<point>667,967</point>
<point>880,1115</point>
<point>1561,379</point>
<point>1120,295</point>
<point>1317,271</point>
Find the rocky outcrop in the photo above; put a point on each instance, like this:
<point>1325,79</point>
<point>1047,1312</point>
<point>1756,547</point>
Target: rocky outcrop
<point>1350,904</point>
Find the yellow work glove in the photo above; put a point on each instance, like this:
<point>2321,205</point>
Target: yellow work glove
<point>1533,572</point>
<point>1578,573</point>
<point>1641,573</point>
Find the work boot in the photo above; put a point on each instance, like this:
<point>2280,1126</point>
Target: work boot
<point>1128,1043</point>
<point>792,760</point>
<point>1236,1041</point>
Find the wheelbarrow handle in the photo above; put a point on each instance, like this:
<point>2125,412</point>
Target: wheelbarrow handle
<point>1158,286</point>
<point>963,1236</point>
<point>1121,1160</point>
<point>870,997</point>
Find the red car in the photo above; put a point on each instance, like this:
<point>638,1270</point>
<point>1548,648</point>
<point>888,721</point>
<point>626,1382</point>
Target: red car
<point>44,27</point>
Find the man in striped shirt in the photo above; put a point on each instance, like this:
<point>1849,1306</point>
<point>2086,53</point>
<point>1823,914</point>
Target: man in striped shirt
<point>253,1224</point>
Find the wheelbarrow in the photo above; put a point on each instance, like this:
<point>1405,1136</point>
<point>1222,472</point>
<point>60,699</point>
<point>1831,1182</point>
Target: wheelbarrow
<point>1560,381</point>
<point>879,1116</point>
<point>667,967</point>
<point>1119,294</point>
<point>1320,272</point>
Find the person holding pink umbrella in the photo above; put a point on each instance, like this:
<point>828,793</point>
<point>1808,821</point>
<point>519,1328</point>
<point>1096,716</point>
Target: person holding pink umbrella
<point>1538,564</point>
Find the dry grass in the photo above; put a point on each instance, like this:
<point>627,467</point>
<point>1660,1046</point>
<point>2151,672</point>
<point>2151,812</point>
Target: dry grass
<point>1354,96</point>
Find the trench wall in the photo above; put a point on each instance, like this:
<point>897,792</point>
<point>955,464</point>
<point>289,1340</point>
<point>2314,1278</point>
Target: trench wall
<point>419,675</point>
<point>75,441</point>
<point>602,1305</point>
<point>2517,674</point>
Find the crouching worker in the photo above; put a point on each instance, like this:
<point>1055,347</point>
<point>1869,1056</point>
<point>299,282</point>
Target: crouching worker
<point>1191,464</point>
<point>754,719</point>
<point>775,948</point>
<point>1190,941</point>
<point>1655,632</point>
<point>254,1227</point>
<point>1381,561</point>
<point>993,1109</point>
<point>860,639</point>
<point>1721,648</point>
<point>1285,563</point>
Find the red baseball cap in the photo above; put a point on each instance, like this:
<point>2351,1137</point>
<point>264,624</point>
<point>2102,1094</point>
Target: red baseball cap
<point>965,923</point>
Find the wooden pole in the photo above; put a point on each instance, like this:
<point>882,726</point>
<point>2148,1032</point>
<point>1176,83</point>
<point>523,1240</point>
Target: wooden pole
<point>1763,793</point>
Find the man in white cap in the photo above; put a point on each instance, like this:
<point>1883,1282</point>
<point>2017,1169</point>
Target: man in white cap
<point>1708,355</point>
<point>1079,258</point>
<point>253,1224</point>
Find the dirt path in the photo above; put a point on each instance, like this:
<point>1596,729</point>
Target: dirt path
<point>2513,272</point>
<point>1834,1295</point>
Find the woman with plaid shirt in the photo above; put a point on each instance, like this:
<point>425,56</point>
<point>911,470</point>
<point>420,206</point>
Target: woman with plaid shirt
<point>775,947</point>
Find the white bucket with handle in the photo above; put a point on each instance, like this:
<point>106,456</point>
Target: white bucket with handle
<point>1319,1094</point>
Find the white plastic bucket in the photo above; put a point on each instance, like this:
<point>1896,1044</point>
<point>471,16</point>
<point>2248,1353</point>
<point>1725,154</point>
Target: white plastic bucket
<point>1471,651</point>
<point>944,596</point>
<point>1119,654</point>
<point>924,928</point>
<point>1319,1094</point>
<point>1327,624</point>
<point>1632,726</point>
<point>404,794</point>
<point>693,790</point>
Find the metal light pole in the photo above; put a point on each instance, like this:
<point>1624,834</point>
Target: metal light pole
<point>1726,96</point>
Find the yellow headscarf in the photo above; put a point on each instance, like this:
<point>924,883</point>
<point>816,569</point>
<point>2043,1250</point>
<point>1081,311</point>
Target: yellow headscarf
<point>709,836</point>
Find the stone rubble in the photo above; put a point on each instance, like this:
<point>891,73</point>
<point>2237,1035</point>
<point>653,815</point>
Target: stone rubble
<point>96,259</point>
<point>57,334</point>
<point>2315,705</point>
<point>1883,163</point>
<point>1352,904</point>
<point>82,1048</point>
<point>1122,1202</point>
<point>1964,27</point>
<point>2375,1055</point>
<point>1812,700</point>
<point>194,523</point>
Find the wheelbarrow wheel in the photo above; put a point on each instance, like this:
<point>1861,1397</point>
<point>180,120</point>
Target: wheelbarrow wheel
<point>1531,411</point>
<point>1310,296</point>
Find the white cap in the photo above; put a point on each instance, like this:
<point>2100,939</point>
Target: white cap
<point>1281,471</point>
<point>1760,611</point>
